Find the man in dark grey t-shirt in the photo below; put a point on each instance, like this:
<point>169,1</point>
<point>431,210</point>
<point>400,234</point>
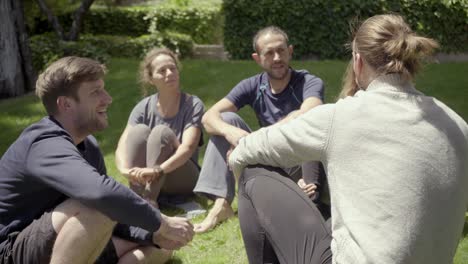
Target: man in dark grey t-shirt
<point>277,95</point>
<point>57,205</point>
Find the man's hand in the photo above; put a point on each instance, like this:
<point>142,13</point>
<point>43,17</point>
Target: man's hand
<point>309,189</point>
<point>234,134</point>
<point>174,233</point>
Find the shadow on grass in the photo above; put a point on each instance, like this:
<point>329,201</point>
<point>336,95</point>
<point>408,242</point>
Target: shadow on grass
<point>175,260</point>
<point>465,227</point>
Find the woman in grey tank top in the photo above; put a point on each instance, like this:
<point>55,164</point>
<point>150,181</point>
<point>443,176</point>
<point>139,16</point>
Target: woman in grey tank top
<point>158,149</point>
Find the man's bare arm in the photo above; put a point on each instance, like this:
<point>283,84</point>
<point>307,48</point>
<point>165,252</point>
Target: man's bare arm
<point>215,125</point>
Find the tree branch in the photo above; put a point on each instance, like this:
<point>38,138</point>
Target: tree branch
<point>51,18</point>
<point>78,19</point>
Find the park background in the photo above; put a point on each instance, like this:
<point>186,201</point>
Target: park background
<point>213,39</point>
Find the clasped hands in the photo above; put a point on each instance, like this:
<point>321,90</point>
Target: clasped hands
<point>144,175</point>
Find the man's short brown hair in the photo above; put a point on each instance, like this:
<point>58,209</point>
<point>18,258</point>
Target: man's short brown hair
<point>63,77</point>
<point>268,30</point>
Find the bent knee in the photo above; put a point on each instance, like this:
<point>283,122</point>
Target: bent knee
<point>139,131</point>
<point>231,118</point>
<point>164,132</point>
<point>87,216</point>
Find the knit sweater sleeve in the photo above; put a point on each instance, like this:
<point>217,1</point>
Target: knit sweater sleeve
<point>285,145</point>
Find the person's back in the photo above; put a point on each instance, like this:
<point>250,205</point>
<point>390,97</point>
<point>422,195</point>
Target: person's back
<point>396,160</point>
<point>398,168</point>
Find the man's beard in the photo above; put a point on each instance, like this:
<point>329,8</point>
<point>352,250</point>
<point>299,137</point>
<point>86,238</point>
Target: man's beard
<point>91,125</point>
<point>276,77</point>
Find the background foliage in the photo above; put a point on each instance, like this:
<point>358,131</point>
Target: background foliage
<point>211,80</point>
<point>125,31</point>
<point>318,29</point>
<point>46,48</point>
<point>203,23</point>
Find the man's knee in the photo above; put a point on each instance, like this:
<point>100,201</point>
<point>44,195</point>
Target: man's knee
<point>231,118</point>
<point>88,217</point>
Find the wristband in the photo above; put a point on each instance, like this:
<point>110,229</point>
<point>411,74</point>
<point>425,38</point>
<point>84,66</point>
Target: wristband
<point>158,171</point>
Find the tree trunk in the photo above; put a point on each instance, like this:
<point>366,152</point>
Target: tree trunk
<point>53,20</point>
<point>16,74</point>
<point>76,24</point>
<point>30,73</point>
<point>78,19</point>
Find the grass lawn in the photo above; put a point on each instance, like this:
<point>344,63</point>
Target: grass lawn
<point>211,80</point>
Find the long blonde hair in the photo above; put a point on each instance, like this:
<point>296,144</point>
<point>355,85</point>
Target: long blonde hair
<point>388,45</point>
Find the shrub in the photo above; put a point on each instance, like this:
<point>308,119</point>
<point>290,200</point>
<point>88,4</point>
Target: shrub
<point>46,48</point>
<point>320,28</point>
<point>203,23</point>
<point>116,21</point>
<point>124,46</point>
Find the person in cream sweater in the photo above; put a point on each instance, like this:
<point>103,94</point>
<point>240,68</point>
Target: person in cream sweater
<point>396,160</point>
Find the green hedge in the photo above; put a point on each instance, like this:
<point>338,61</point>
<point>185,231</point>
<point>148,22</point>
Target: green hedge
<point>116,21</point>
<point>319,29</point>
<point>203,24</point>
<point>46,48</point>
<point>122,46</point>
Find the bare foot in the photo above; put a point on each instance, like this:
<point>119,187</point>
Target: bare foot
<point>221,211</point>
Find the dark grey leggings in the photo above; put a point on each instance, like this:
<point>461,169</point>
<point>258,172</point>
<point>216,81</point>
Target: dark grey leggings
<point>148,147</point>
<point>279,223</point>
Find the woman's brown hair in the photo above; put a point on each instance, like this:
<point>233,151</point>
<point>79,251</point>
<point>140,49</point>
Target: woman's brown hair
<point>146,69</point>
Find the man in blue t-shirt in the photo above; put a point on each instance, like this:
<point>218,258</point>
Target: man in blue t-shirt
<point>277,95</point>
<point>57,203</point>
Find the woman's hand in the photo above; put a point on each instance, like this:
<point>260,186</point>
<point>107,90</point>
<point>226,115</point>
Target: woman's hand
<point>142,175</point>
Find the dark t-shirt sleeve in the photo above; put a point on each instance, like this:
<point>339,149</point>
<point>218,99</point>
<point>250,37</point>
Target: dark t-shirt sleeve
<point>194,114</point>
<point>243,93</point>
<point>313,87</point>
<point>137,116</point>
<point>56,162</point>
